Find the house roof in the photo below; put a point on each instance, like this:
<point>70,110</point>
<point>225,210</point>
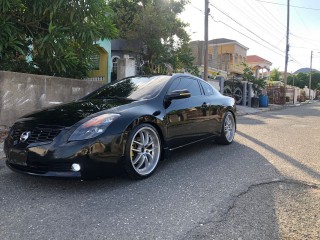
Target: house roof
<point>124,45</point>
<point>257,59</point>
<point>221,41</point>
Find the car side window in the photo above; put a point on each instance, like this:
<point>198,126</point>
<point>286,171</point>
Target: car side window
<point>186,83</point>
<point>207,88</point>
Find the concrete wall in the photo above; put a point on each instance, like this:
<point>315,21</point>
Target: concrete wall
<point>126,67</point>
<point>22,93</point>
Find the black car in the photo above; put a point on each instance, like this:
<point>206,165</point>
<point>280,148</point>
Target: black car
<point>133,123</point>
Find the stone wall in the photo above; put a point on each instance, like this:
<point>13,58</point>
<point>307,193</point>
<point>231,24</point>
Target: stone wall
<point>22,93</point>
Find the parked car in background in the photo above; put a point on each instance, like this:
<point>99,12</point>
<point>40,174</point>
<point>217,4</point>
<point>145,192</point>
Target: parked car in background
<point>129,123</point>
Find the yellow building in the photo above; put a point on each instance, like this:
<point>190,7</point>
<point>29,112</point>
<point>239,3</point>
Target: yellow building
<point>102,63</point>
<point>224,55</point>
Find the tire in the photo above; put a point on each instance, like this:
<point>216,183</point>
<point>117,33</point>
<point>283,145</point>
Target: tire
<point>142,152</point>
<point>228,129</point>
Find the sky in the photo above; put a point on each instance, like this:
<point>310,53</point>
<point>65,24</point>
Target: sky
<point>260,25</point>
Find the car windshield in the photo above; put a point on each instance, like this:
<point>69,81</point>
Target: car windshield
<point>135,88</point>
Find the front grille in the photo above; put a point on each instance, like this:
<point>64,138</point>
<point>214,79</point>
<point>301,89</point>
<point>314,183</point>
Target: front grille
<point>43,168</point>
<point>41,133</point>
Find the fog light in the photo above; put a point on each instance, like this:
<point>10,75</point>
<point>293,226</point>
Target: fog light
<point>75,167</point>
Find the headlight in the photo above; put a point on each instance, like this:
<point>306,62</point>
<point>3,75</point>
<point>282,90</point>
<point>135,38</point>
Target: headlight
<point>93,127</point>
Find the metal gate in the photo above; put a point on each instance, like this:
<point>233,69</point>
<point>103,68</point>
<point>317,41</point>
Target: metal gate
<point>277,95</point>
<point>234,88</point>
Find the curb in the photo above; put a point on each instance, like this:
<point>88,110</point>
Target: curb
<point>272,107</point>
<point>251,111</point>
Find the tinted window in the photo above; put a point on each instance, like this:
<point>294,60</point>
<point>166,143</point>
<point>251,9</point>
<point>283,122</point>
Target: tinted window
<point>186,83</point>
<point>135,88</point>
<point>207,88</point>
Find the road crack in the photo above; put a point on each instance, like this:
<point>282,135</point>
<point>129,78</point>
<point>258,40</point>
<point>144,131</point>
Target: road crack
<point>209,228</point>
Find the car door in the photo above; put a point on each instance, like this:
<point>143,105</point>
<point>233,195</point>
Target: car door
<point>211,108</point>
<point>184,122</point>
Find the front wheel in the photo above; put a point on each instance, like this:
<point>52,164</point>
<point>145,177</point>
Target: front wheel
<point>228,129</point>
<point>143,151</point>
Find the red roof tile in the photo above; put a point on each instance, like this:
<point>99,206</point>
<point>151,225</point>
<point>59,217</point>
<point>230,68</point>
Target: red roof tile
<point>255,59</point>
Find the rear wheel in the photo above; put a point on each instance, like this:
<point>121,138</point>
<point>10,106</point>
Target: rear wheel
<point>228,129</point>
<point>143,151</point>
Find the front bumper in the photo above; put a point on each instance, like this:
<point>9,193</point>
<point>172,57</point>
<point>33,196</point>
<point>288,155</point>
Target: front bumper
<point>55,160</point>
<point>38,170</point>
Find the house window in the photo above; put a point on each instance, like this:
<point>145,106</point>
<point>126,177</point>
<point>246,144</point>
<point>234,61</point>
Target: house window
<point>96,62</point>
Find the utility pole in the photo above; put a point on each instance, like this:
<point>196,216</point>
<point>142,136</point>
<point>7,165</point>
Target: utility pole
<point>287,52</point>
<point>292,78</point>
<point>310,75</point>
<point>206,49</point>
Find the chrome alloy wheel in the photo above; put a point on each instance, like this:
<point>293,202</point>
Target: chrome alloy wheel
<point>229,127</point>
<point>145,150</point>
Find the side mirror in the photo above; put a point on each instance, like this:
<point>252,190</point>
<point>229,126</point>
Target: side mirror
<point>178,94</point>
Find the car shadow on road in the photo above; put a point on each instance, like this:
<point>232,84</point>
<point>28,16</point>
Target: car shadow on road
<point>184,162</point>
<point>207,179</point>
<point>283,156</point>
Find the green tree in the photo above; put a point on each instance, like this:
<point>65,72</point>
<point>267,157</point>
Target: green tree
<point>257,83</point>
<point>155,26</point>
<point>315,80</point>
<point>291,80</point>
<point>58,35</point>
<point>275,75</point>
<point>302,79</point>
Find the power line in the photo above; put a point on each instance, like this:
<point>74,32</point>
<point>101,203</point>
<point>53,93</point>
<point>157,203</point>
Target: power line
<point>273,17</point>
<point>197,8</point>
<point>276,19</point>
<point>253,21</point>
<point>218,21</point>
<point>305,48</point>
<point>267,20</point>
<point>259,43</point>
<point>294,60</point>
<point>245,28</point>
<point>281,4</point>
<point>307,40</point>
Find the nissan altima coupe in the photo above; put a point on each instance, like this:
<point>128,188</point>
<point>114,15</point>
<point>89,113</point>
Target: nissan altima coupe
<point>131,123</point>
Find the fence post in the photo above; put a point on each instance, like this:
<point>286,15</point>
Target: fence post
<point>244,93</point>
<point>249,94</point>
<point>221,82</point>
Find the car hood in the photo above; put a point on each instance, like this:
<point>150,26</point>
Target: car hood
<point>68,114</point>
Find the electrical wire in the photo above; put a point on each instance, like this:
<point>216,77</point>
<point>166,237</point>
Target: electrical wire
<point>276,19</point>
<point>273,17</point>
<point>245,27</point>
<point>218,21</point>
<point>282,4</point>
<point>264,18</point>
<point>293,59</point>
<point>254,20</point>
<point>259,43</point>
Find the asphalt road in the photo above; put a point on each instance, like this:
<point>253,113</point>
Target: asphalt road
<point>263,186</point>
